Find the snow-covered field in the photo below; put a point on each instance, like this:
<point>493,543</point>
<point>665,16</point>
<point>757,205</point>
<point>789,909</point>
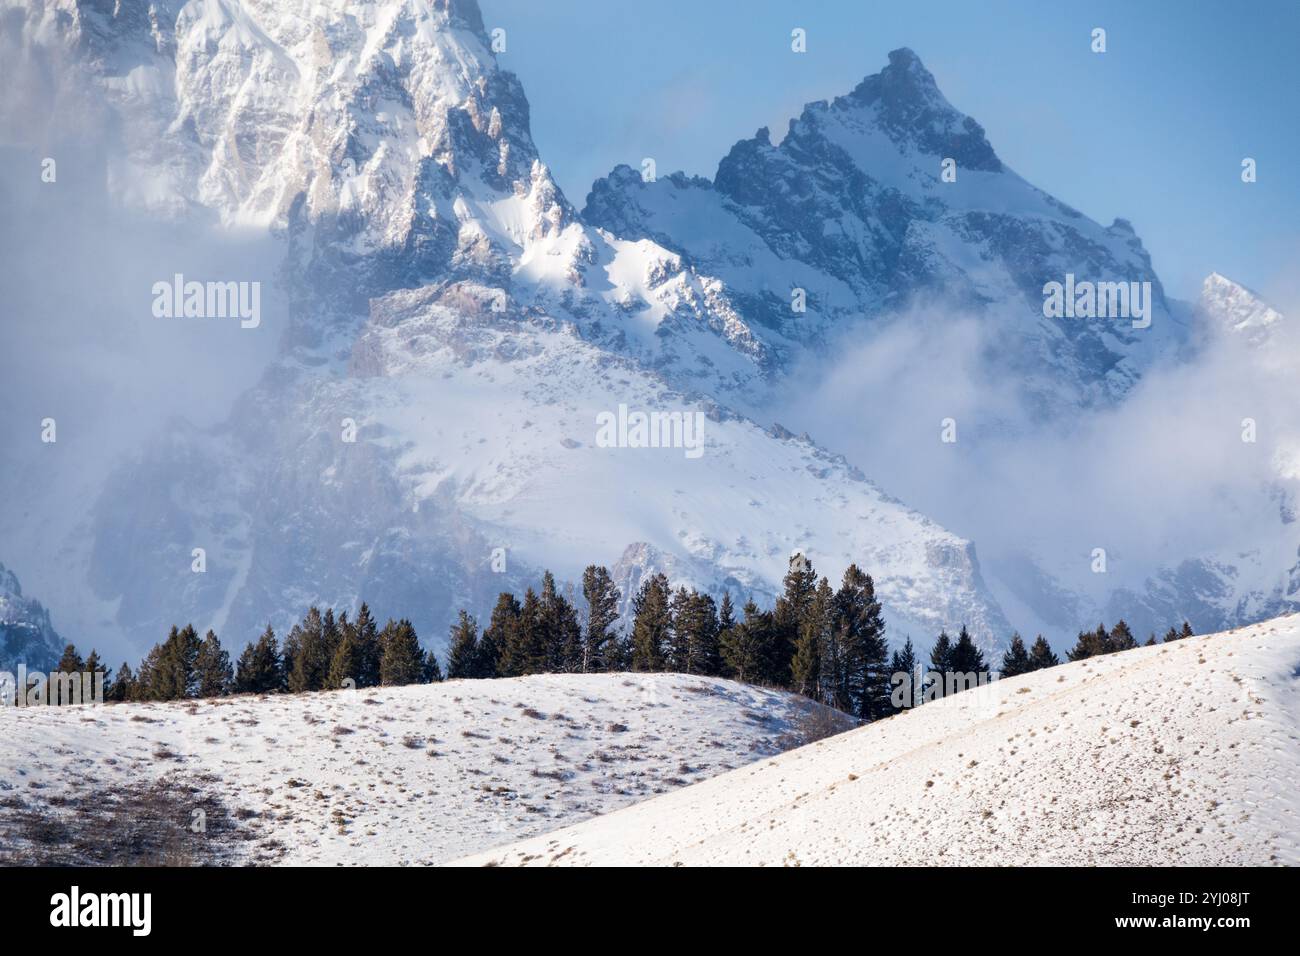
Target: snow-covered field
<point>417,774</point>
<point>1185,753</point>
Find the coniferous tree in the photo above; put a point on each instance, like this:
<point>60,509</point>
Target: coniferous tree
<point>431,672</point>
<point>814,637</point>
<point>313,643</point>
<point>403,660</point>
<point>1089,644</point>
<point>864,650</point>
<point>1172,635</point>
<point>347,663</point>
<point>260,669</point>
<point>695,634</point>
<point>747,648</point>
<point>1120,638</point>
<point>501,638</point>
<point>1016,660</point>
<point>726,613</point>
<point>94,664</point>
<point>146,680</point>
<point>800,586</point>
<point>368,649</point>
<point>70,662</point>
<point>560,632</point>
<point>463,650</point>
<point>651,624</point>
<point>1041,655</point>
<point>602,611</point>
<point>1150,641</point>
<point>122,688</point>
<point>1186,631</point>
<point>212,666</point>
<point>940,663</point>
<point>677,644</point>
<point>903,662</point>
<point>175,674</point>
<point>968,660</point>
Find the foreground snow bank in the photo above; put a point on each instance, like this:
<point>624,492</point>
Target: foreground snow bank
<point>1183,753</point>
<point>416,774</point>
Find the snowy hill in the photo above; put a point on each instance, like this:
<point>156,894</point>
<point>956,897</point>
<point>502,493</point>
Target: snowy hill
<point>1180,754</point>
<point>406,775</point>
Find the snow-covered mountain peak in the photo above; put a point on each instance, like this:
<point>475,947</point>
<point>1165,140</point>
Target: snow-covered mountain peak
<point>908,106</point>
<point>889,198</point>
<point>1233,307</point>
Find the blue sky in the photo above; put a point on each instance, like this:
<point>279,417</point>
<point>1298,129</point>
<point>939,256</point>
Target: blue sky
<point>1153,130</point>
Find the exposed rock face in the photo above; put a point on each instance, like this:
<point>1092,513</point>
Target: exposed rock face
<point>26,635</point>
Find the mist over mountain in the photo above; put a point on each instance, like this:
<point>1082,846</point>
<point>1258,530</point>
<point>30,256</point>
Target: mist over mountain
<point>442,329</point>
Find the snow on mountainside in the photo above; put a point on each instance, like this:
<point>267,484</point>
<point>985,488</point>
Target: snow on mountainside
<point>1235,586</point>
<point>1185,754</point>
<point>447,299</point>
<point>384,776</point>
<point>851,207</point>
<point>1238,309</point>
<point>26,635</point>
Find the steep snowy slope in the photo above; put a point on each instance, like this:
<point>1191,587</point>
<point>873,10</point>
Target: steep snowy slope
<point>388,776</point>
<point>853,208</point>
<point>1179,754</point>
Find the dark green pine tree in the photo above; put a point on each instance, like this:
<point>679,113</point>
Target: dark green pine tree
<point>1016,660</point>
<point>800,584</point>
<point>368,649</point>
<point>694,639</point>
<point>462,651</point>
<point>94,664</point>
<point>1172,635</point>
<point>122,688</point>
<point>403,660</point>
<point>651,624</point>
<point>146,681</point>
<point>940,665</point>
<point>70,662</point>
<point>1120,638</point>
<point>527,650</point>
<point>1186,631</point>
<point>967,662</point>
<point>677,644</point>
<point>1089,644</point>
<point>313,643</point>
<point>497,637</point>
<point>814,636</point>
<point>602,611</point>
<point>1041,655</point>
<point>346,664</point>
<point>175,676</point>
<point>747,646</point>
<point>903,676</point>
<point>561,633</point>
<point>1150,641</point>
<point>260,669</point>
<point>431,671</point>
<point>212,665</point>
<point>861,636</point>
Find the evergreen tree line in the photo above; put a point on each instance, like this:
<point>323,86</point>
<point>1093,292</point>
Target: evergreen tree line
<point>321,652</point>
<point>828,645</point>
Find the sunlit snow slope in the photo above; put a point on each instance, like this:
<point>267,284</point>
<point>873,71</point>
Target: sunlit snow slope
<point>396,775</point>
<point>1178,754</point>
